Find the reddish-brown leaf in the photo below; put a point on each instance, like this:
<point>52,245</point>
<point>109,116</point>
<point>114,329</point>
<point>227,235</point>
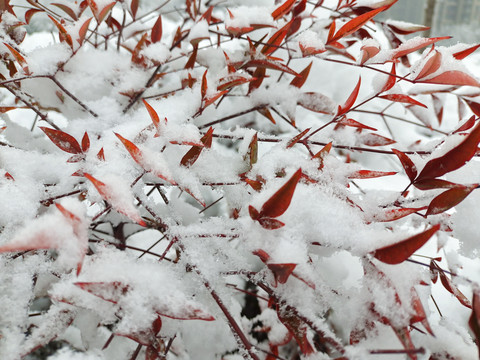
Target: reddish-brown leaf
<point>62,32</point>
<point>20,59</point>
<point>83,31</point>
<point>407,163</point>
<point>233,80</point>
<point>351,99</point>
<point>467,125</point>
<point>192,155</point>
<point>29,13</point>
<point>254,214</point>
<point>474,106</point>
<point>258,75</point>
<point>449,199</point>
<point>317,102</point>
<point>355,24</point>
<point>132,149</point>
<point>353,123</point>
<point>399,252</point>
<point>274,42</point>
<point>430,184</point>
<point>418,44</point>
<point>63,140</point>
<point>395,214</point>
<point>453,159</point>
<point>420,315</point>
<point>193,58</point>
<point>281,272</point>
<point>270,223</point>
<point>134,8</point>
<point>449,285</point>
<point>279,202</point>
<point>297,329</point>
<point>370,174</point>
<point>108,291</point>
<point>98,13</point>
<point>376,140</point>
<point>464,53</point>
<point>453,77</point>
<point>403,335</point>
<point>474,320</point>
<point>392,79</point>
<point>368,52</point>
<point>298,81</point>
<point>283,9</point>
<point>85,142</point>
<point>322,153</point>
<point>156,35</point>
<point>432,65</point>
<point>69,11</point>
<point>153,114</point>
<point>297,138</point>
<point>269,64</point>
<point>101,155</point>
<point>402,99</point>
<point>266,112</point>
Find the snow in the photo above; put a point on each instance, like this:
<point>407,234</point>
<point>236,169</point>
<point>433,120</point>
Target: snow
<point>131,239</point>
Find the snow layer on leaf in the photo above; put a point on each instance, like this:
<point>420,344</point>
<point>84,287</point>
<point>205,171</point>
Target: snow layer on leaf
<point>244,16</point>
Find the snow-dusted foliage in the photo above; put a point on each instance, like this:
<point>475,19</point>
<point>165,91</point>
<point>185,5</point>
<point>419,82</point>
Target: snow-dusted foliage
<point>235,179</point>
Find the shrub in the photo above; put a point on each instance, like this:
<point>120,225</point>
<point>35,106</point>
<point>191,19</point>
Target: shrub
<point>222,180</point>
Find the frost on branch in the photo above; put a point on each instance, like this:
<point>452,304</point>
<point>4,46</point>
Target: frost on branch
<point>215,180</point>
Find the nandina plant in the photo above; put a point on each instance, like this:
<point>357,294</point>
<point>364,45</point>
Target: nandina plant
<point>217,180</point>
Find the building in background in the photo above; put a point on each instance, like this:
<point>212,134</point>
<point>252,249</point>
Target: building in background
<point>459,18</point>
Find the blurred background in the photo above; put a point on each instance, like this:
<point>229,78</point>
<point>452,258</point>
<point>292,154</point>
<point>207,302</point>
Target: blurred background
<point>457,18</point>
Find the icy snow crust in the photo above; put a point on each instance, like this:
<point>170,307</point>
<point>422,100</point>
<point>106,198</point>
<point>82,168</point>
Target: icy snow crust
<point>200,246</point>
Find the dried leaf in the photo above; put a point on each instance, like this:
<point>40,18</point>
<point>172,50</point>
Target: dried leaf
<point>399,252</point>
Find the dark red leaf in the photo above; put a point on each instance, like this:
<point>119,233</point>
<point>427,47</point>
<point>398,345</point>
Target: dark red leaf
<point>474,106</point>
<point>279,202</point>
<point>355,24</point>
<point>69,11</point>
<point>430,184</point>
<point>395,214</point>
<point>274,42</point>
<point>192,155</point>
<point>269,64</point>
<point>193,58</point>
<point>156,35</point>
<point>254,214</point>
<point>399,252</point>
<point>297,329</point>
<point>63,140</point>
<point>353,123</point>
<point>420,315</point>
<point>270,223</point>
<point>453,159</point>
<point>449,285</point>
<point>407,163</point>
<point>134,8</point>
<point>281,272</point>
<point>29,13</point>
<point>449,199</point>
<point>403,99</point>
<point>376,140</point>
<point>467,125</point>
<point>392,79</point>
<point>83,31</point>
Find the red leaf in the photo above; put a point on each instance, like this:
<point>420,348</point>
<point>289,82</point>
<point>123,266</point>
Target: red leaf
<point>20,59</point>
<point>274,42</point>
<point>252,153</point>
<point>67,10</point>
<point>376,140</point>
<point>85,142</point>
<point>132,149</point>
<point>211,99</point>
<point>62,32</point>
<point>134,8</point>
<point>353,123</point>
<point>100,13</point>
<point>297,138</point>
<point>254,214</point>
<point>474,106</point>
<point>399,252</point>
<point>453,159</point>
<point>449,199</point>
<point>108,291</point>
<point>467,125</point>
<point>368,52</point>
<point>297,329</point>
<point>432,65</point>
<point>281,272</point>
<point>464,53</point>
<point>403,99</point>
<point>156,35</point>
<point>392,79</point>
<point>430,184</point>
<point>300,80</point>
<point>232,81</point>
<point>351,99</point>
<point>407,163</point>
<point>403,335</point>
<point>355,24</point>
<point>395,214</point>
<point>474,320</point>
<point>453,77</point>
<point>317,102</point>
<point>116,200</point>
<point>369,174</point>
<point>193,58</point>
<point>63,140</point>
<point>416,44</point>
<point>279,202</point>
<point>405,28</point>
<point>29,13</point>
<point>269,64</point>
<point>420,315</point>
<point>192,155</point>
<point>449,285</point>
<point>101,155</point>
<point>270,223</point>
<point>83,31</point>
<point>322,154</point>
<point>153,115</point>
<point>283,9</point>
